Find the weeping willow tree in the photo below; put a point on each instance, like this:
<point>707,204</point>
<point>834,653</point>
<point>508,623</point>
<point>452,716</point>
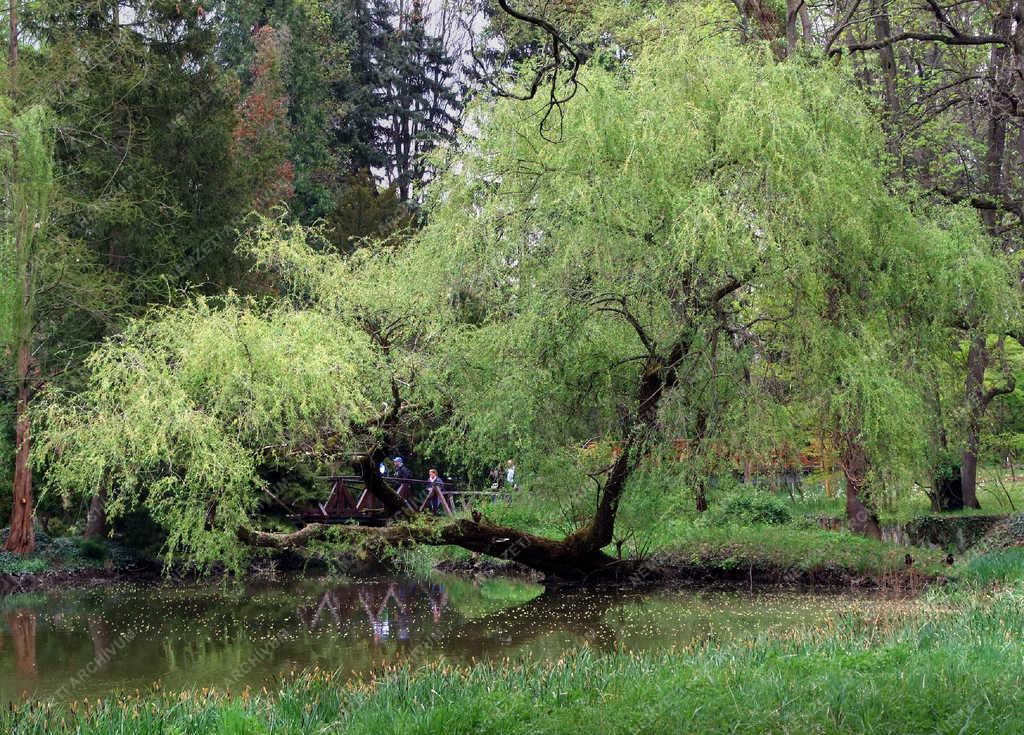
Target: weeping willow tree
<point>711,242</point>
<point>188,405</point>
<point>713,246</point>
<point>26,169</point>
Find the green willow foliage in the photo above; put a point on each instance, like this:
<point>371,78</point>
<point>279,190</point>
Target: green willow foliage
<point>185,407</point>
<point>698,164</point>
<point>702,162</point>
<point>26,173</point>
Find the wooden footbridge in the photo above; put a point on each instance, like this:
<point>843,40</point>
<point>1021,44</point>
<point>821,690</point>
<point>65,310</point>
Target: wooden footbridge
<point>350,502</point>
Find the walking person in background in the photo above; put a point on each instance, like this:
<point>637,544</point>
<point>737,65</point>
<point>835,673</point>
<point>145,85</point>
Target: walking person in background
<point>510,476</point>
<point>435,493</point>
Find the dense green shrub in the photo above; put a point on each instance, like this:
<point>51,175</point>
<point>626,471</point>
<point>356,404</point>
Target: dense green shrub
<point>749,507</point>
<point>94,549</point>
<point>14,564</point>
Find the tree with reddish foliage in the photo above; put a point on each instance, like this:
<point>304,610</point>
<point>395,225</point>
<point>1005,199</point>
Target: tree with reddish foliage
<point>261,137</point>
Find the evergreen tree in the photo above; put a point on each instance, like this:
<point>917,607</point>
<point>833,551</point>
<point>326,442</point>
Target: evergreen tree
<point>404,96</point>
<point>148,184</point>
<point>422,100</point>
<point>313,58</point>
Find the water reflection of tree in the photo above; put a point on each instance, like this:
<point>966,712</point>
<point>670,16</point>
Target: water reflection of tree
<point>392,609</point>
<point>23,625</point>
<point>99,635</point>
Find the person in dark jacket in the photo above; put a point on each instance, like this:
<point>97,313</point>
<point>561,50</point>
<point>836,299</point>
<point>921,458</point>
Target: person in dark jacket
<point>402,474</point>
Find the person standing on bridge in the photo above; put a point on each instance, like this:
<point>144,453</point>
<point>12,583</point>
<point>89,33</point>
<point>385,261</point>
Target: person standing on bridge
<point>435,492</point>
<point>510,476</point>
<point>402,474</point>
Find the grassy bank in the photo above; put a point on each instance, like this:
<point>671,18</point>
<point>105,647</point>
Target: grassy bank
<point>62,561</point>
<point>795,553</point>
<point>772,538</point>
<point>956,667</point>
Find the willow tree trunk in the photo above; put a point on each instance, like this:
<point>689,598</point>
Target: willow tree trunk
<point>977,361</point>
<point>860,513</point>
<point>580,555</point>
<point>96,518</point>
<point>22,539</point>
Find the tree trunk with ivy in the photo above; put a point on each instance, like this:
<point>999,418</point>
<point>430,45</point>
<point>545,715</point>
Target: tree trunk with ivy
<point>22,539</point>
<point>28,178</point>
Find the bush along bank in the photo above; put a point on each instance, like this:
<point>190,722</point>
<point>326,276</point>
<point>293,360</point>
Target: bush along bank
<point>64,561</point>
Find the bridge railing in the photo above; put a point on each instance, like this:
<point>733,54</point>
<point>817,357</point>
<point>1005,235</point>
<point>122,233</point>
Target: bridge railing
<point>341,503</point>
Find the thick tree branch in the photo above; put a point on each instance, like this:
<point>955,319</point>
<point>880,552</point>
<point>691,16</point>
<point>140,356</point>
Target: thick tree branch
<point>841,26</point>
<point>283,541</point>
<point>571,558</point>
<point>984,202</point>
<point>379,489</point>
<point>602,304</point>
<point>560,48</point>
<point>982,40</point>
<point>600,531</point>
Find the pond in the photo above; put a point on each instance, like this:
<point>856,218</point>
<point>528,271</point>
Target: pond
<point>70,645</point>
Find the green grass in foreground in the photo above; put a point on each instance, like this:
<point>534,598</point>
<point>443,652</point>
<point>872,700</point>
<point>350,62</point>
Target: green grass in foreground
<point>957,667</point>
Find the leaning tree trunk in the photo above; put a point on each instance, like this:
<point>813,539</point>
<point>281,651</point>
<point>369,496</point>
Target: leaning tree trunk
<point>860,513</point>
<point>578,556</point>
<point>22,539</point>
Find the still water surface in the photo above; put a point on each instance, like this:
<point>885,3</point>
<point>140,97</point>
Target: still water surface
<point>87,643</point>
